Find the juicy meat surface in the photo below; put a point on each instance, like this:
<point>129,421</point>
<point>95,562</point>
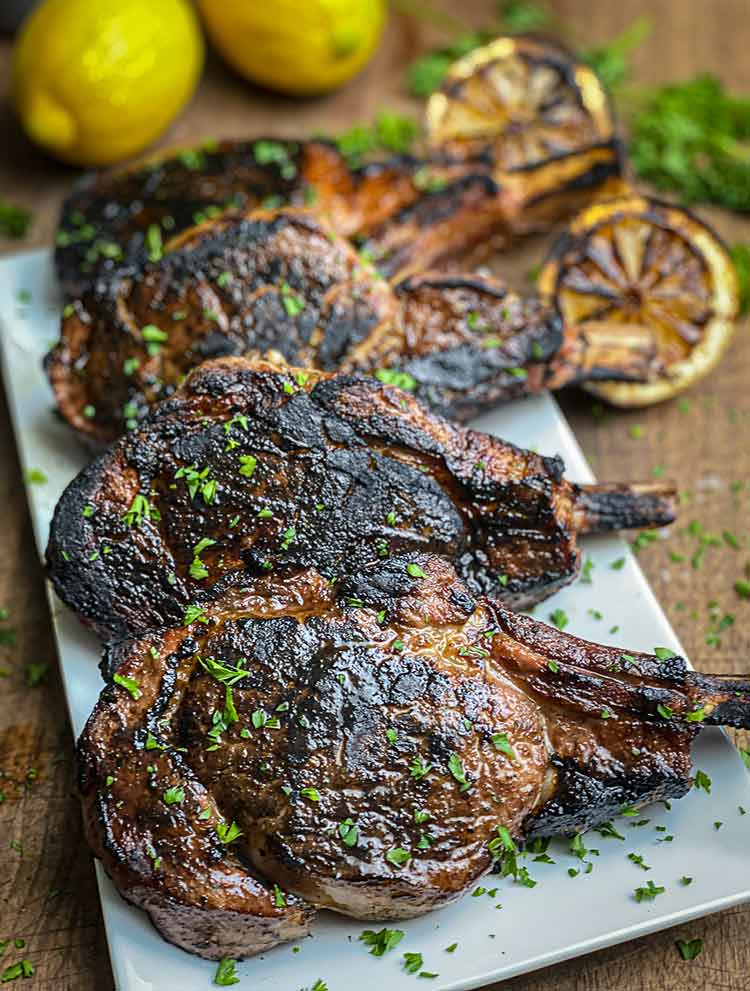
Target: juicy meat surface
<point>251,468</point>
<point>283,283</point>
<point>446,208</point>
<point>372,749</point>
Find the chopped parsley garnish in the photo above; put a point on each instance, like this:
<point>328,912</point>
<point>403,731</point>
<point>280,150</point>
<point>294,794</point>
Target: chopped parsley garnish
<point>696,716</point>
<point>648,892</point>
<point>14,220</point>
<point>689,949</point>
<point>702,781</point>
<point>419,769</point>
<point>174,795</point>
<point>23,968</point>
<point>643,539</point>
<point>392,376</point>
<point>310,793</point>
<point>690,138</point>
<point>228,832</point>
<point>664,653</point>
<point>413,963</point>
<point>198,569</point>
<point>279,898</point>
<point>261,720</point>
<point>500,742</point>
<point>398,856</point>
<point>382,941</point>
<point>608,830</point>
<point>36,671</point>
<point>248,464</point>
<point>35,476</point>
<point>415,571</point>
<point>222,672</point>
<point>391,132</point>
<point>560,618</point>
<point>349,832</point>
<point>154,337</point>
<point>129,684</point>
<point>665,711</point>
<point>293,303</point>
<point>198,481</point>
<point>140,510</point>
<point>288,537</point>
<point>618,565</point>
<point>194,614</point>
<point>391,735</point>
<point>456,767</point>
<point>637,859</point>
<point>225,973</point>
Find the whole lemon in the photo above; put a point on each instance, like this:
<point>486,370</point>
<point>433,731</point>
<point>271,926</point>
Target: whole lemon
<point>301,47</point>
<point>95,81</point>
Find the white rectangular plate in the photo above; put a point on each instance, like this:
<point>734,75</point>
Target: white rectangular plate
<point>535,927</point>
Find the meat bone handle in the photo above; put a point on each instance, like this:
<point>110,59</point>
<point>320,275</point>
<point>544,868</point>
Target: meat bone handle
<point>602,508</point>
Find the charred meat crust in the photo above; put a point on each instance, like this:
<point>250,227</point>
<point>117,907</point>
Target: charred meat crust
<point>279,282</point>
<point>251,468</point>
<point>283,283</point>
<point>365,742</point>
<point>120,218</point>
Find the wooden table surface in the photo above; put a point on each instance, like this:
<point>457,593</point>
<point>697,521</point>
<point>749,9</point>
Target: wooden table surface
<point>47,890</point>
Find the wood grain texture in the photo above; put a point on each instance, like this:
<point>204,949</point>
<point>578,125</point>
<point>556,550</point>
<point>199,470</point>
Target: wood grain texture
<point>47,888</point>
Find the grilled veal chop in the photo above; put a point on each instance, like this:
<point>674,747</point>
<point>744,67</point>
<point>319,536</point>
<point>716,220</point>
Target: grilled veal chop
<point>445,207</point>
<point>251,469</point>
<point>372,750</point>
<point>283,283</point>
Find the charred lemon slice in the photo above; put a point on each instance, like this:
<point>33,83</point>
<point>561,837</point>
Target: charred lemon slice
<point>635,263</point>
<point>527,100</point>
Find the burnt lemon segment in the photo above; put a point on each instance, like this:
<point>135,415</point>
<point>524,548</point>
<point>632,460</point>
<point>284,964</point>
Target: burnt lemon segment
<point>526,100</point>
<point>634,264</point>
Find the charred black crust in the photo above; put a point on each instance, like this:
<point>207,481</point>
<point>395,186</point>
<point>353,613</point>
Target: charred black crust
<point>584,800</point>
<point>348,443</point>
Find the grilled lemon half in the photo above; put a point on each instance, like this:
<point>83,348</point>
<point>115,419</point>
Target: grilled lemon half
<point>635,263</point>
<point>527,99</point>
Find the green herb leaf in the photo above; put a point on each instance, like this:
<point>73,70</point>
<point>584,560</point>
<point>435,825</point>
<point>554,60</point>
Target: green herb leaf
<point>500,742</point>
<point>398,856</point>
<point>228,832</point>
<point>456,767</point>
<point>703,782</point>
<point>689,949</point>
<point>129,684</point>
<point>225,973</point>
<point>14,220</point>
<point>382,941</point>
<point>648,892</point>
<point>691,138</point>
<point>392,376</point>
<point>560,618</point>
